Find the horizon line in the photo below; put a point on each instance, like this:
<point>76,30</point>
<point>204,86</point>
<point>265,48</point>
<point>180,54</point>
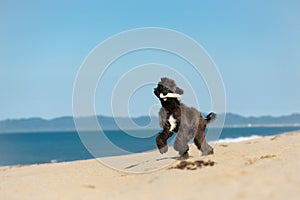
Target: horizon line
<point>99,115</point>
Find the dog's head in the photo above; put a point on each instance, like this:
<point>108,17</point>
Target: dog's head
<point>167,88</point>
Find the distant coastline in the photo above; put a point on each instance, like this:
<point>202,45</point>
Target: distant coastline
<point>109,123</point>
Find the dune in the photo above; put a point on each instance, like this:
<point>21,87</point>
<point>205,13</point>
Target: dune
<point>261,168</point>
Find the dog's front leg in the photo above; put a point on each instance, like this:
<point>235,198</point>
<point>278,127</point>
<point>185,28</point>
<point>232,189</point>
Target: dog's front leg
<point>161,140</point>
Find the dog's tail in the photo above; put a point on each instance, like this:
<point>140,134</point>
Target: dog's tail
<point>210,117</point>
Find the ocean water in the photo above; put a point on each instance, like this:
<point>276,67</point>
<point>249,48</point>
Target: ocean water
<point>51,147</point>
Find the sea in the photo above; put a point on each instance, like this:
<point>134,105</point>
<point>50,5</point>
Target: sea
<point>52,147</point>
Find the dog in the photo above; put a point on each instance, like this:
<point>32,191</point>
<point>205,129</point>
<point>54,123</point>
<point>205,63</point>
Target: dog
<point>176,117</point>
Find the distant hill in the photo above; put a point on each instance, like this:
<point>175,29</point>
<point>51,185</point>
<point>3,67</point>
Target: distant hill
<point>238,120</point>
<point>109,123</point>
<point>67,124</point>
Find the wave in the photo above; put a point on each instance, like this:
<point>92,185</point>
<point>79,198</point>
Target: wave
<point>235,140</point>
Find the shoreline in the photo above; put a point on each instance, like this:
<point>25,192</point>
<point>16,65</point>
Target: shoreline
<point>152,128</point>
<point>226,140</point>
<point>213,142</point>
<point>261,168</point>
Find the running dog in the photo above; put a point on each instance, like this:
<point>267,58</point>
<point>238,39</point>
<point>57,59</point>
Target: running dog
<point>176,117</point>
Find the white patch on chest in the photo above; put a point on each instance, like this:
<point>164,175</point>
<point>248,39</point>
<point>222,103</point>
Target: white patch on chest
<point>172,121</point>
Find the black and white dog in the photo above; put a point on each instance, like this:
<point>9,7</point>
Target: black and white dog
<point>175,117</point>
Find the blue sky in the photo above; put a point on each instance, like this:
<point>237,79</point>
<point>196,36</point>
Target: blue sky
<point>255,45</point>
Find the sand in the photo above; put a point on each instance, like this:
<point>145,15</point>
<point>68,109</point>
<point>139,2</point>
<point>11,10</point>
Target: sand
<point>263,168</point>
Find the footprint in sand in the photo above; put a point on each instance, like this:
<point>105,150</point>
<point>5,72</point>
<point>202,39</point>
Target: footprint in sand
<point>268,156</point>
<point>90,186</point>
<point>275,137</point>
<point>251,161</point>
<point>223,145</point>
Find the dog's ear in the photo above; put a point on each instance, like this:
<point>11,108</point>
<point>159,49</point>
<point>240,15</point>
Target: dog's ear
<point>178,90</point>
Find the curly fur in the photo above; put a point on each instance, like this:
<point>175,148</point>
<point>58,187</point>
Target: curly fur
<point>176,117</point>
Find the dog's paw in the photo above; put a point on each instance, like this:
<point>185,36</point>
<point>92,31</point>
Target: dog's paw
<point>163,149</point>
<point>208,152</point>
<point>184,156</point>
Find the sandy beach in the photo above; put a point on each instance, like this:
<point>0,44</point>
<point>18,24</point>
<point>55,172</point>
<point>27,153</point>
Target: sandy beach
<point>263,168</point>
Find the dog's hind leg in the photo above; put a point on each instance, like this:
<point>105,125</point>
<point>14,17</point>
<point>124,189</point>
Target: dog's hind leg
<point>200,141</point>
<point>161,140</point>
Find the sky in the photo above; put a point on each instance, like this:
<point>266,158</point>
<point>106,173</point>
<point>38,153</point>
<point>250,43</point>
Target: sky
<point>255,45</point>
